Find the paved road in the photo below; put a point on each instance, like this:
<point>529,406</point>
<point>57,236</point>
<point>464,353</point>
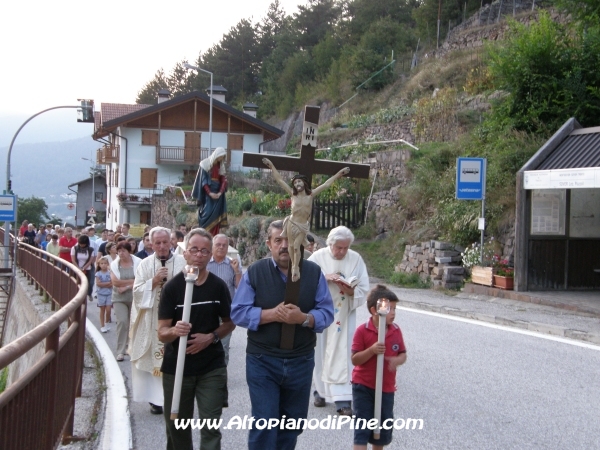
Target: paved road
<point>473,386</point>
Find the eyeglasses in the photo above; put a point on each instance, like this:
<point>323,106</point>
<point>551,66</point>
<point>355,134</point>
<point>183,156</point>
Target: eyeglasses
<point>194,251</point>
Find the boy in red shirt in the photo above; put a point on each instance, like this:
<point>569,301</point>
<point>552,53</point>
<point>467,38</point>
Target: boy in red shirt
<point>365,348</point>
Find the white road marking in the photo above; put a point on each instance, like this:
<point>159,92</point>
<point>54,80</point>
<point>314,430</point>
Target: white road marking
<point>549,337</point>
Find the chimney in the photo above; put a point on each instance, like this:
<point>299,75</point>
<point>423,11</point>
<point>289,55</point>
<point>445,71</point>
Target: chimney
<point>218,93</point>
<point>163,95</point>
<point>250,109</point>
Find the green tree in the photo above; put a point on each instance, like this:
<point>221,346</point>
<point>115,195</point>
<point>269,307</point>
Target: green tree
<point>148,94</point>
<point>375,50</point>
<point>587,12</point>
<point>550,75</point>
<point>33,209</point>
<point>234,61</point>
<point>314,21</point>
<point>361,14</point>
<point>426,15</point>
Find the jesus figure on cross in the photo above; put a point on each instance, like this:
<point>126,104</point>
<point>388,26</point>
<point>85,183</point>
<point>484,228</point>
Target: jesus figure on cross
<point>297,225</point>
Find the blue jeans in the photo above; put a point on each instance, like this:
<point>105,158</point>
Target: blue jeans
<point>278,387</point>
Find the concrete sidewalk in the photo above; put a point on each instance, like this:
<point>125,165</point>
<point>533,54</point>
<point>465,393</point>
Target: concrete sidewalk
<point>574,315</point>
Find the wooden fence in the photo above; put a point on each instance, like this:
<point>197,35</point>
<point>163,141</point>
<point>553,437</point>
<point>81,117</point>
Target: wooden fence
<point>349,212</point>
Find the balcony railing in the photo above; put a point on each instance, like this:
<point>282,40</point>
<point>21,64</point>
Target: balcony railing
<point>107,154</point>
<point>180,155</point>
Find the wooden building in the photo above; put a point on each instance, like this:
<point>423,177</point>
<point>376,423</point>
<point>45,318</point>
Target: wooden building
<point>150,147</point>
<point>558,213</point>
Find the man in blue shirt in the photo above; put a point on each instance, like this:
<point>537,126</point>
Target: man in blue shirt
<point>279,379</point>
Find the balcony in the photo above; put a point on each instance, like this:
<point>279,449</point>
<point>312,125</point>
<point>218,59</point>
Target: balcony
<point>180,155</point>
<point>107,154</point>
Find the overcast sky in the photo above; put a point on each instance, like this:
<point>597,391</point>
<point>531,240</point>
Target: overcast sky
<point>56,52</point>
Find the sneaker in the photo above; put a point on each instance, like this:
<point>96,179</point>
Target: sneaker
<point>104,329</point>
<point>120,357</point>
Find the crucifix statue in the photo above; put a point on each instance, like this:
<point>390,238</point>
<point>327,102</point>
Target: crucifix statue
<point>297,225</point>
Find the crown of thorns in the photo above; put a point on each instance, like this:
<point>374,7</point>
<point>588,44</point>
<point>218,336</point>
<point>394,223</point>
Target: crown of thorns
<point>304,178</point>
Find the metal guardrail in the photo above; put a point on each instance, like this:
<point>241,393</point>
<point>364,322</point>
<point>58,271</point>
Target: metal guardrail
<point>37,409</point>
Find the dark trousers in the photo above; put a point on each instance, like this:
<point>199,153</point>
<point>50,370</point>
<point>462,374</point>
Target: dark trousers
<point>210,392</point>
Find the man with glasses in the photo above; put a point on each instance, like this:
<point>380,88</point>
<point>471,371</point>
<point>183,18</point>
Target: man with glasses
<point>227,269</point>
<point>205,372</point>
<point>145,349</point>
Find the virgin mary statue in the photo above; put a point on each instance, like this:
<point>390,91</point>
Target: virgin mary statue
<point>209,190</point>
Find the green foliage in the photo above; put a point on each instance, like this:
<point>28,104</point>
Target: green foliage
<point>3,379</point>
<point>380,256</point>
<point>241,248</point>
<point>586,12</point>
<point>32,209</point>
<point>551,75</point>
<point>262,250</point>
<point>409,280</point>
<point>382,116</point>
<point>241,200</point>
<point>374,51</point>
<point>253,227</point>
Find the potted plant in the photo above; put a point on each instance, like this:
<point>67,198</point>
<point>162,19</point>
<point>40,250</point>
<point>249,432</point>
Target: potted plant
<point>504,275</point>
<point>122,197</point>
<point>134,198</point>
<point>481,272</point>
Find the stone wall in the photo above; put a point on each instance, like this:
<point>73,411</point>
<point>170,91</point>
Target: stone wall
<point>26,311</point>
<point>439,261</point>
<point>483,26</point>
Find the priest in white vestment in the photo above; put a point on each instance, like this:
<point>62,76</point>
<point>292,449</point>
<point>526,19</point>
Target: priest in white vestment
<point>145,350</point>
<point>333,365</point>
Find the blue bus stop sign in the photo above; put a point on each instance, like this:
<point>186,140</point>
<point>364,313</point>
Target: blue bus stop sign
<point>8,208</point>
<point>470,178</point>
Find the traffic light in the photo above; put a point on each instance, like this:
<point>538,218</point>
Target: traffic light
<point>86,113</point>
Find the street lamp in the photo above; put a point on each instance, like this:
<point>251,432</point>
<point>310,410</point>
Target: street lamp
<point>189,66</point>
<point>93,180</point>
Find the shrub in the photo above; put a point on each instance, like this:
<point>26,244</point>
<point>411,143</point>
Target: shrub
<point>253,227</point>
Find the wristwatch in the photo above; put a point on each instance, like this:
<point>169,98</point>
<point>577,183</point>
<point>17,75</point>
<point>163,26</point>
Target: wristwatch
<point>306,321</point>
<point>216,339</point>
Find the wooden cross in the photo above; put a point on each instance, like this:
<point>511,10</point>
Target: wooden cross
<point>306,165</point>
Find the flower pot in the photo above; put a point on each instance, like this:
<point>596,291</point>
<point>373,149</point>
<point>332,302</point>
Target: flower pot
<point>482,275</point>
<point>504,282</point>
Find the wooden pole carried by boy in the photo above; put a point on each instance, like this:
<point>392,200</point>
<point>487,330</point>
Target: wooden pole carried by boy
<point>383,309</point>
<point>191,275</point>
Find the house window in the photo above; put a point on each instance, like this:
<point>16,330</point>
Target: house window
<point>235,142</point>
<point>99,196</point>
<point>148,178</point>
<point>149,137</point>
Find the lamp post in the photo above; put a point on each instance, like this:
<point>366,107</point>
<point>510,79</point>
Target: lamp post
<point>93,181</point>
<point>189,66</point>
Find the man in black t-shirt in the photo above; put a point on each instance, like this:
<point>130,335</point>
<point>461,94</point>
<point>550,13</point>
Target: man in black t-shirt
<point>205,371</point>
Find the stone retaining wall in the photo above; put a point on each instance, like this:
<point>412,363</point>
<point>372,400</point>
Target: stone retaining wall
<point>435,260</point>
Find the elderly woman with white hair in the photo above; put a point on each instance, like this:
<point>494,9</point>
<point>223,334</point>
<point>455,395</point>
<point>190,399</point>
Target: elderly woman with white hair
<point>209,189</point>
<point>333,365</point>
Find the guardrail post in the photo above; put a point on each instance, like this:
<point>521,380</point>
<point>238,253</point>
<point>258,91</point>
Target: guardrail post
<point>51,346</point>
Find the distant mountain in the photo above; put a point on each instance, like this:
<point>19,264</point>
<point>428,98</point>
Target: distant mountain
<point>46,170</point>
